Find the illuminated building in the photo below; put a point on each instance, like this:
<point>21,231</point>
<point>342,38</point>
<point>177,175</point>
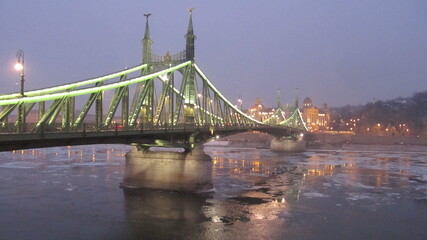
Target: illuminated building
<point>315,119</point>
<point>259,111</point>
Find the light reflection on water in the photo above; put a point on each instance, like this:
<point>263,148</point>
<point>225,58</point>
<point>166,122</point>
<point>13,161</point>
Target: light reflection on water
<point>259,195</point>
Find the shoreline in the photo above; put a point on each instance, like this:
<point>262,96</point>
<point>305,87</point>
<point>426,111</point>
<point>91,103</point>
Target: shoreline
<point>331,142</point>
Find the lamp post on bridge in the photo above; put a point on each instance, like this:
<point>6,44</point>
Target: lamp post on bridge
<point>19,66</point>
<point>240,101</point>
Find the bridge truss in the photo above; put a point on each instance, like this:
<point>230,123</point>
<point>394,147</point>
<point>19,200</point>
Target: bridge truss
<point>279,118</point>
<point>177,95</point>
<point>162,94</point>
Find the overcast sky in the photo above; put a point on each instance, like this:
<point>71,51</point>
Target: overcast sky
<point>339,52</point>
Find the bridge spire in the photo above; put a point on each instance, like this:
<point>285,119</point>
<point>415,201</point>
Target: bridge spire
<point>279,104</point>
<point>296,99</point>
<point>190,37</point>
<point>189,80</point>
<point>146,42</point>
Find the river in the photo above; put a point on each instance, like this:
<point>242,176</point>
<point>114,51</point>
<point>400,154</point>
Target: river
<point>73,193</point>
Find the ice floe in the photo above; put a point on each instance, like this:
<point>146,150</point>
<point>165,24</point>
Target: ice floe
<point>96,164</point>
<point>358,196</point>
<point>315,195</point>
<point>70,187</point>
<point>20,165</point>
<point>420,179</point>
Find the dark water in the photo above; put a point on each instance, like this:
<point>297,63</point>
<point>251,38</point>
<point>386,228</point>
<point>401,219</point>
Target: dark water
<point>73,193</point>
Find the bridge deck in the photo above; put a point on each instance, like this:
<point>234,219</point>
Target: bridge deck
<point>170,136</point>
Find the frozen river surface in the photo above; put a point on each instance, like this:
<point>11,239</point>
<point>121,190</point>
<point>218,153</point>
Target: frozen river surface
<point>73,193</point>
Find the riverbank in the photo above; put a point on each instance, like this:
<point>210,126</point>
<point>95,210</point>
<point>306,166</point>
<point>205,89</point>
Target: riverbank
<point>366,142</point>
<point>331,142</point>
<point>366,139</point>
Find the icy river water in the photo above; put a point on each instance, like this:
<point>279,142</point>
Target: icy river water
<point>73,193</point>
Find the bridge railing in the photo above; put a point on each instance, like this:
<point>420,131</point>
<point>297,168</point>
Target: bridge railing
<point>10,128</point>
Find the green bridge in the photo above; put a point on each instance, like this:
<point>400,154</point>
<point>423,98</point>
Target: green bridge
<point>166,101</point>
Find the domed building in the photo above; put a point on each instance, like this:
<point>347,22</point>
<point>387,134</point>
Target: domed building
<point>307,103</point>
<point>259,111</point>
<point>314,118</point>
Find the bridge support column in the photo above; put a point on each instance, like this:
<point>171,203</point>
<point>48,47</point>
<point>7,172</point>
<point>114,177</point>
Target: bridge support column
<point>172,171</point>
<point>21,118</point>
<point>5,121</point>
<point>189,113</point>
<point>287,145</point>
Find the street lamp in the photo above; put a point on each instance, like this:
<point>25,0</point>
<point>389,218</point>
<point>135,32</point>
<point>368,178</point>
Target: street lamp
<point>19,66</point>
<point>240,101</point>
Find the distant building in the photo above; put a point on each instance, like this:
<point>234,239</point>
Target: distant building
<point>315,119</point>
<point>259,111</point>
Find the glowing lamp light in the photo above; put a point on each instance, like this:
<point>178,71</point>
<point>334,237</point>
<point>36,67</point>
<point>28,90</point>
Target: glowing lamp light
<point>19,66</point>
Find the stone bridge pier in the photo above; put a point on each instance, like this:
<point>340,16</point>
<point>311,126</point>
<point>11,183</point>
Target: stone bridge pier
<point>171,171</point>
<point>288,144</point>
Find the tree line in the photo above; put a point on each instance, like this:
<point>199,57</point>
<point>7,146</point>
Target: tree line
<point>406,116</point>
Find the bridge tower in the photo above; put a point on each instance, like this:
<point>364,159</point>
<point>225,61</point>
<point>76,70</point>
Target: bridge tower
<point>191,170</point>
<point>146,112</point>
<point>189,75</point>
<point>296,99</point>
